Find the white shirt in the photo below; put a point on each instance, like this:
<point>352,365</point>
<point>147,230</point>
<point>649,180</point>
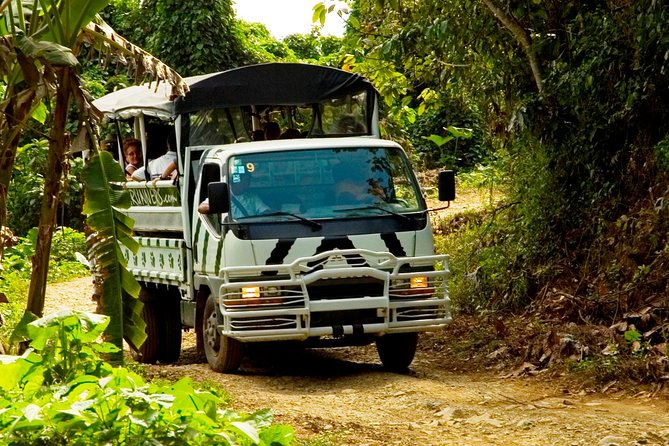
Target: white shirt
<point>156,167</point>
<point>251,203</point>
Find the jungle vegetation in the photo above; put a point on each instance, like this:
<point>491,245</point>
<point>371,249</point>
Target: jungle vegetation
<point>560,104</point>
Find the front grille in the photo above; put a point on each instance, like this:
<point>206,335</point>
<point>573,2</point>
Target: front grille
<point>345,288</point>
<point>423,313</point>
<point>264,323</point>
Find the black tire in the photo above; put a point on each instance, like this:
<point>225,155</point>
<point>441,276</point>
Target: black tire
<point>149,351</point>
<point>199,325</point>
<point>396,351</point>
<point>170,341</point>
<point>224,354</point>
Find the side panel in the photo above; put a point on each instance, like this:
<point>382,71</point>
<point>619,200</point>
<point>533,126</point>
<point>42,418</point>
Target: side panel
<point>162,257</point>
<point>159,260</point>
<point>156,206</point>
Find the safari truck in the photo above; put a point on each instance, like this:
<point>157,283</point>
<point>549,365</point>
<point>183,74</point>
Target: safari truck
<point>321,236</point>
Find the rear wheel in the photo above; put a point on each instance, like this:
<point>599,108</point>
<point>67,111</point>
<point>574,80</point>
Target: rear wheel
<point>224,354</point>
<point>170,341</point>
<point>149,351</point>
<point>396,351</point>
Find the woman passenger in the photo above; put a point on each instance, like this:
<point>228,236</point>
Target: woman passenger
<point>132,151</point>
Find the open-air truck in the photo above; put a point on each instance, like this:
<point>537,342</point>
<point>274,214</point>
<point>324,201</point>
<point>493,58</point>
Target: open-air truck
<point>310,268</point>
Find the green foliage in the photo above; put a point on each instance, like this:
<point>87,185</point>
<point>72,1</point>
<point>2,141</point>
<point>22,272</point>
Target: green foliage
<point>439,140</point>
<point>17,257</point>
<point>126,18</point>
<point>207,38</point>
<point>632,336</point>
<point>61,392</point>
<point>603,368</point>
<point>68,246</point>
<point>193,38</point>
<point>486,274</point>
<point>580,154</point>
<point>259,45</point>
<point>27,187</point>
<point>305,46</point>
<point>485,177</point>
<point>662,155</point>
<point>316,49</point>
<point>14,285</point>
<point>65,245</point>
<point>68,255</point>
<point>67,249</point>
<point>97,79</point>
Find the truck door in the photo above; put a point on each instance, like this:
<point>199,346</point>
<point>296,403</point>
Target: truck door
<point>207,233</point>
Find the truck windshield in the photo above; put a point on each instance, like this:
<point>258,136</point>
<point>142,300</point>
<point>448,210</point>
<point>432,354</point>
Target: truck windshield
<point>322,183</point>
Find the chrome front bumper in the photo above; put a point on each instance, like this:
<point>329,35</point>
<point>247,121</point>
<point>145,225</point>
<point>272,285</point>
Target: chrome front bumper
<point>335,293</point>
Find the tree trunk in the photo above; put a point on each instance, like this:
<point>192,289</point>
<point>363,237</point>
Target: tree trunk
<point>523,38</point>
<point>52,186</point>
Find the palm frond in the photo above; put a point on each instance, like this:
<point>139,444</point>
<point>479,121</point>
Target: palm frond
<point>102,37</point>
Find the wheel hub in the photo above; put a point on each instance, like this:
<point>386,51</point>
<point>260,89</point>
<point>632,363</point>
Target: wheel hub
<point>211,331</point>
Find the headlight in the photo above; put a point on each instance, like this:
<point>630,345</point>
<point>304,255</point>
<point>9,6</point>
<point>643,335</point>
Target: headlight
<point>413,287</point>
<point>254,295</point>
<point>419,282</point>
<point>249,292</point>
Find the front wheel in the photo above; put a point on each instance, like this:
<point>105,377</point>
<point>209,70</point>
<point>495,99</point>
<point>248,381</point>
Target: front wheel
<point>396,351</point>
<point>224,354</point>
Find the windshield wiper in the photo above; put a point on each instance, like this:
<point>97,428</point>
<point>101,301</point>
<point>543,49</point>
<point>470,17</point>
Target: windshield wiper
<point>311,223</point>
<point>376,206</point>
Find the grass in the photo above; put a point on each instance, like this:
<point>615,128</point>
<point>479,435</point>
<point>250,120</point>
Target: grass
<point>15,287</point>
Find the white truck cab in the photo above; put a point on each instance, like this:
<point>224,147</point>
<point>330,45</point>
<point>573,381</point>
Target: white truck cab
<point>321,237</point>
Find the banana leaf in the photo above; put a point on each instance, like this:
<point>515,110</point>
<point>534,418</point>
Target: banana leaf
<point>105,196</point>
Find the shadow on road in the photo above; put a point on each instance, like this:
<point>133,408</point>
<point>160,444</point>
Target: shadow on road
<point>289,359</point>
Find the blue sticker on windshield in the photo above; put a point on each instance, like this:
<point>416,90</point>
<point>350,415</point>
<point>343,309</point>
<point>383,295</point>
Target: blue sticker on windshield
<point>236,178</point>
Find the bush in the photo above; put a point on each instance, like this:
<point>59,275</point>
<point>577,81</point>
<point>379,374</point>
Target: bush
<point>27,186</point>
<point>456,153</point>
<point>61,392</point>
<point>16,268</point>
<point>67,248</point>
<point>14,286</point>
<point>487,263</point>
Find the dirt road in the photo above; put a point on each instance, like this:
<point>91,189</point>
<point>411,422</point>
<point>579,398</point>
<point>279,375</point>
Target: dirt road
<point>344,397</point>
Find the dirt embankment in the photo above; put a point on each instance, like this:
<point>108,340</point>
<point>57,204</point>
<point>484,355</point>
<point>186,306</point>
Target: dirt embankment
<point>344,397</point>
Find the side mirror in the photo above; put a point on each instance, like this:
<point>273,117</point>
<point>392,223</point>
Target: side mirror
<point>219,198</point>
<point>446,185</point>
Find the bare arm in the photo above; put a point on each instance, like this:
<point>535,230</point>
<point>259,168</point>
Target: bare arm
<point>170,171</point>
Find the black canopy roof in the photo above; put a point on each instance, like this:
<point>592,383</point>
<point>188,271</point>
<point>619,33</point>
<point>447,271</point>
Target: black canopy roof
<point>271,84</point>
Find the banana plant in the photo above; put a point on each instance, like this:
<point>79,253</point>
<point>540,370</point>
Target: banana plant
<point>104,196</point>
<point>39,44</point>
